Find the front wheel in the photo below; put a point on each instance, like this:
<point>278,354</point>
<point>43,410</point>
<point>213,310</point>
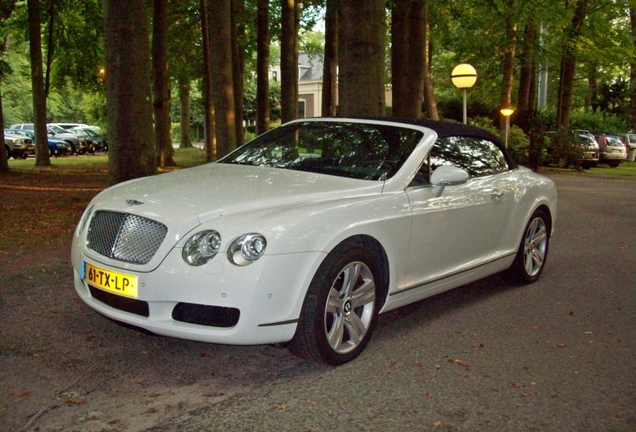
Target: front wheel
<point>341,307</point>
<point>533,250</point>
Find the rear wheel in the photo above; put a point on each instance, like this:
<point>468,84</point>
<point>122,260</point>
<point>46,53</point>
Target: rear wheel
<point>341,307</point>
<point>533,250</point>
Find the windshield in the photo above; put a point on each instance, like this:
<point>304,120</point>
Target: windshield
<point>355,150</point>
<point>57,129</point>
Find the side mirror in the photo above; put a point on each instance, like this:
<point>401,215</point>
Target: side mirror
<point>447,175</point>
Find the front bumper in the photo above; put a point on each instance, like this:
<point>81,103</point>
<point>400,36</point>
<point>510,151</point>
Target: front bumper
<point>268,296</point>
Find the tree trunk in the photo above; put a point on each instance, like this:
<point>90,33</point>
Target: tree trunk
<point>568,65</point>
<point>330,63</point>
<point>262,68</point>
<point>591,100</point>
<point>505,100</point>
<point>185,139</point>
<point>527,61</point>
<point>632,65</point>
<point>238,65</point>
<point>223,83</point>
<point>429,93</point>
<point>361,58</point>
<point>209,124</point>
<point>400,52</point>
<point>132,151</point>
<point>161,84</point>
<point>4,163</point>
<point>37,85</point>
<point>290,21</point>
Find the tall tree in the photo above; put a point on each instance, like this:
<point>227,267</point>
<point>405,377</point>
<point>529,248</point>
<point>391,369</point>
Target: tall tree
<point>527,60</point>
<point>429,94</point>
<point>185,138</point>
<point>262,67</point>
<point>238,64</point>
<point>408,56</point>
<point>330,63</point>
<point>290,23</point>
<point>568,64</point>
<point>361,58</point>
<point>6,7</point>
<point>632,64</point>
<point>505,100</point>
<point>223,83</point>
<point>37,84</point>
<point>132,151</point>
<point>161,84</point>
<point>209,122</point>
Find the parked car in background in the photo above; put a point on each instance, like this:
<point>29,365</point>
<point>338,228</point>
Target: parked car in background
<point>100,143</point>
<point>612,150</point>
<point>306,233</point>
<point>16,146</point>
<point>79,143</point>
<point>28,126</point>
<point>630,143</point>
<point>70,126</point>
<point>571,148</point>
<point>57,147</point>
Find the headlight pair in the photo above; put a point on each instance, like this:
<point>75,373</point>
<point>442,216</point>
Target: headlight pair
<point>204,245</point>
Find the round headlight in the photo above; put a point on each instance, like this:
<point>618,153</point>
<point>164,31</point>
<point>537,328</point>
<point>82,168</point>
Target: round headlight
<point>246,249</point>
<point>201,247</point>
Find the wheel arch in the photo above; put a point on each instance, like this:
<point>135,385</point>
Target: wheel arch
<point>376,249</point>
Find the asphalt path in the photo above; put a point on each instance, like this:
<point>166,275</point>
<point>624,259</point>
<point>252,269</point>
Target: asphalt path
<point>557,355</point>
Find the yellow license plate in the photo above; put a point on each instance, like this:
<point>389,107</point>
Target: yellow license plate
<point>111,281</point>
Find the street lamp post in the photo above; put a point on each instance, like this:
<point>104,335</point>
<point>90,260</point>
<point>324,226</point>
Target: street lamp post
<point>507,112</point>
<point>464,77</point>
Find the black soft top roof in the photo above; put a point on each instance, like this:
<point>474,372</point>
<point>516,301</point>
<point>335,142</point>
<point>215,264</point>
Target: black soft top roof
<point>446,129</point>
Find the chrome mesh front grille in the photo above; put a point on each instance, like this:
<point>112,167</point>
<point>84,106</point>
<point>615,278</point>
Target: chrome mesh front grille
<point>124,236</point>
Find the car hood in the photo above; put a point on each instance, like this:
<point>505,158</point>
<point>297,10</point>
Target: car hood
<point>193,196</point>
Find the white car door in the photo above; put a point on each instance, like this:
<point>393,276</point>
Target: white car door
<point>453,234</point>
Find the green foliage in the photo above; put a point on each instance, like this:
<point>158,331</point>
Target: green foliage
<point>596,122</point>
<point>518,141</point>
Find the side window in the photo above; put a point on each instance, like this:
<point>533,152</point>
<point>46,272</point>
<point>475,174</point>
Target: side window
<point>478,156</point>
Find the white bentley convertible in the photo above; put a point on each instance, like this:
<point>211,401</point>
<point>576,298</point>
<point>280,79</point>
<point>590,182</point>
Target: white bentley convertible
<point>306,233</point>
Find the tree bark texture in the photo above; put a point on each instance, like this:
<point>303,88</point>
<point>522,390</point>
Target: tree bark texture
<point>209,123</point>
<point>527,60</point>
<point>632,65</point>
<point>568,65</point>
<point>238,65</point>
<point>185,138</point>
<point>262,68</point>
<point>330,63</point>
<point>223,81</point>
<point>290,21</point>
<point>37,85</point>
<point>161,84</point>
<point>132,151</point>
<point>361,58</point>
<point>4,163</point>
<point>429,93</point>
<point>505,101</point>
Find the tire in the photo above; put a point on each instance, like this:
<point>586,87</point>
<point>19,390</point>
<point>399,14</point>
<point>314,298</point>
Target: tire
<point>533,250</point>
<point>613,164</point>
<point>7,152</point>
<point>341,308</point>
